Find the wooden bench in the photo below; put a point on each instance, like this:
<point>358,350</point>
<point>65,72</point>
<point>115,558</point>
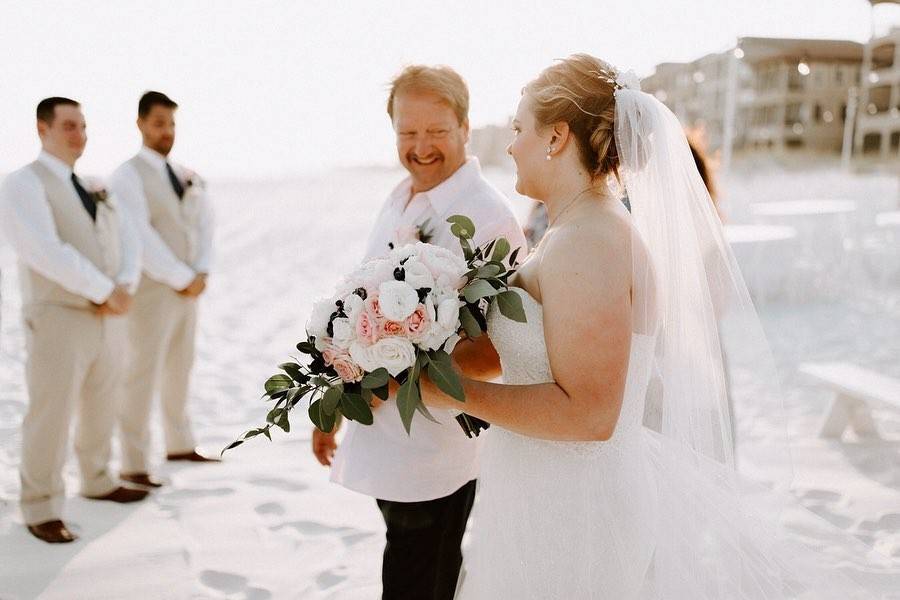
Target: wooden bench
<point>856,391</point>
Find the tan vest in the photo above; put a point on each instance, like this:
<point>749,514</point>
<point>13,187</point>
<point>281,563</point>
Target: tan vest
<point>97,241</point>
<point>167,212</point>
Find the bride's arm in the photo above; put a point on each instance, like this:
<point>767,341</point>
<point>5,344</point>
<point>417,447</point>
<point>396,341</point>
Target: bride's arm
<point>585,284</point>
<point>477,358</point>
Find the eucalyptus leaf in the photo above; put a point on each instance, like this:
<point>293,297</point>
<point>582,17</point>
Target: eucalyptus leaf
<point>330,400</point>
<point>328,421</point>
<point>514,256</point>
<point>407,398</point>
<point>295,371</point>
<point>423,410</point>
<point>478,289</point>
<point>376,379</point>
<point>441,372</point>
<point>315,414</point>
<point>501,250</point>
<point>489,270</point>
<point>278,383</point>
<point>356,409</point>
<point>510,304</point>
<point>464,226</point>
<point>283,422</point>
<point>470,325</point>
<point>381,392</point>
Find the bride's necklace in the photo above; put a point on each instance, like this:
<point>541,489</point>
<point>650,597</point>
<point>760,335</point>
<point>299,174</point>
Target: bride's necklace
<point>569,205</point>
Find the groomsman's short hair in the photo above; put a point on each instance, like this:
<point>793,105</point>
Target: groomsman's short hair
<point>46,108</point>
<point>151,99</point>
<point>441,81</point>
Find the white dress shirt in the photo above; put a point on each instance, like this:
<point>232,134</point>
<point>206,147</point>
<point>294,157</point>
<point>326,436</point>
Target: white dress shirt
<point>27,222</point>
<point>435,460</point>
<point>160,263</point>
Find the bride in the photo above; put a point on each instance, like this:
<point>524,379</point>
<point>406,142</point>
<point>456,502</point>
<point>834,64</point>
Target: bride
<point>577,498</point>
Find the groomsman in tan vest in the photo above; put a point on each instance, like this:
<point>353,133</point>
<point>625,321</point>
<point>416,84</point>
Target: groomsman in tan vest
<point>79,262</point>
<point>169,207</point>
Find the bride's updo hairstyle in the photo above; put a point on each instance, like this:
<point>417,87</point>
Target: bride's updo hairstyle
<point>580,91</point>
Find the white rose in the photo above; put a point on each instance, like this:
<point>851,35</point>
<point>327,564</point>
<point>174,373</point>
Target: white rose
<point>397,299</point>
<point>393,353</point>
<point>448,314</point>
<point>363,357</point>
<point>417,274</point>
<point>343,333</point>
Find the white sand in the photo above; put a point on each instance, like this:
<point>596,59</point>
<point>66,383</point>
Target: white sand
<point>267,524</point>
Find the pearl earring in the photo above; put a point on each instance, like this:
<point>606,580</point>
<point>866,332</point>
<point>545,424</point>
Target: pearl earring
<point>549,150</point>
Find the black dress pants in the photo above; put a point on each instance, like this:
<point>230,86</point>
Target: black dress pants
<point>422,556</point>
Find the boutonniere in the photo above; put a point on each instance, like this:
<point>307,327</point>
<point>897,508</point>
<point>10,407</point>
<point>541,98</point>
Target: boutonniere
<point>97,190</point>
<point>192,181</point>
<point>410,234</point>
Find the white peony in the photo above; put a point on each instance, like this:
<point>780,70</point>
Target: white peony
<point>317,324</point>
<point>417,274</point>
<point>397,299</point>
<point>395,354</point>
<point>373,272</point>
<point>343,333</point>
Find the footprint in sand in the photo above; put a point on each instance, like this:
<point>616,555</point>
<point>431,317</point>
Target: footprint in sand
<point>270,508</point>
<point>232,584</point>
<point>836,519</point>
<point>280,484</point>
<point>820,496</point>
<point>197,493</point>
<point>311,528</point>
<point>351,539</point>
<point>327,579</point>
<point>888,523</point>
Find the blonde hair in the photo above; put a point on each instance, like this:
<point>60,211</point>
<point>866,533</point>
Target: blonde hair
<point>442,81</point>
<point>580,91</point>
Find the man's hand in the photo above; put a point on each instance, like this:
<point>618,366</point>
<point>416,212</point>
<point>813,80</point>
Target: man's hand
<point>196,287</point>
<point>118,303</point>
<point>324,445</point>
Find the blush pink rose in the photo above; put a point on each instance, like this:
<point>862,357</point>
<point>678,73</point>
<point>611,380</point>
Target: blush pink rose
<point>374,306</point>
<point>417,323</point>
<point>367,329</point>
<point>393,328</point>
<point>347,370</point>
<point>330,353</point>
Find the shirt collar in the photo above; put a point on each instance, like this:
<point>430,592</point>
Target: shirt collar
<point>445,194</point>
<point>153,157</point>
<point>56,166</point>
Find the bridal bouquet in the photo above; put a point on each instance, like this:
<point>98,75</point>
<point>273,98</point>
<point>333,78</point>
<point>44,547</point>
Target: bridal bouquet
<point>394,318</point>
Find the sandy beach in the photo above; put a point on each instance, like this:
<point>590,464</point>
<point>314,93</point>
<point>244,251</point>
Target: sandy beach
<point>266,523</point>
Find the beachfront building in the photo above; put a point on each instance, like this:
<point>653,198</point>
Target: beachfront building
<point>765,93</point>
<point>878,123</point>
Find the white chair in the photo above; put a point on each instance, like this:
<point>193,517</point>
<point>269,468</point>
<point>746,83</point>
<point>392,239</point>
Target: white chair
<point>856,391</point>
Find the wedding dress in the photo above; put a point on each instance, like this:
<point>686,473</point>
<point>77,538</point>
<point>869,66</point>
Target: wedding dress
<point>656,513</point>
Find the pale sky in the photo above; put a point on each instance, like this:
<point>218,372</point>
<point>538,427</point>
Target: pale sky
<point>279,88</point>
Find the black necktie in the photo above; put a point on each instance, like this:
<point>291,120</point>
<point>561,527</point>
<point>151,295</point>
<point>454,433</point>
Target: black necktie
<point>87,200</point>
<point>176,185</point>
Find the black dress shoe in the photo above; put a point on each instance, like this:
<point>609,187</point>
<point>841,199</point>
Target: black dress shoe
<point>191,456</point>
<point>142,479</point>
<point>52,532</point>
<point>122,495</point>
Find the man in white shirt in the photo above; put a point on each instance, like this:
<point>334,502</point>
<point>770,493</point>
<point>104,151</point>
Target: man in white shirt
<point>80,263</point>
<point>423,482</point>
<point>170,210</point>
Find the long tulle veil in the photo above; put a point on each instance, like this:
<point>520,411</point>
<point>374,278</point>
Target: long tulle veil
<point>717,537</point>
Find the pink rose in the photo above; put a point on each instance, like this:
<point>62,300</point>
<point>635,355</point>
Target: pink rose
<point>347,370</point>
<point>373,305</point>
<point>417,323</point>
<point>367,327</point>
<point>393,328</point>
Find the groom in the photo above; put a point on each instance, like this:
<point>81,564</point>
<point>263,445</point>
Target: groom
<point>424,482</point>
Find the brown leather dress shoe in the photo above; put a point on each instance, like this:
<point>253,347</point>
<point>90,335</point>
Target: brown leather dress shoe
<point>52,532</point>
<point>191,456</point>
<point>122,495</point>
<point>142,479</point>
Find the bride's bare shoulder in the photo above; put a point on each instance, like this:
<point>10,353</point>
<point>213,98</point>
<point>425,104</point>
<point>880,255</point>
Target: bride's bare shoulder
<point>594,247</point>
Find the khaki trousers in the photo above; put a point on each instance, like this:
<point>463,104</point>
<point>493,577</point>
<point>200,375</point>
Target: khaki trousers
<point>161,328</point>
<point>75,364</point>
